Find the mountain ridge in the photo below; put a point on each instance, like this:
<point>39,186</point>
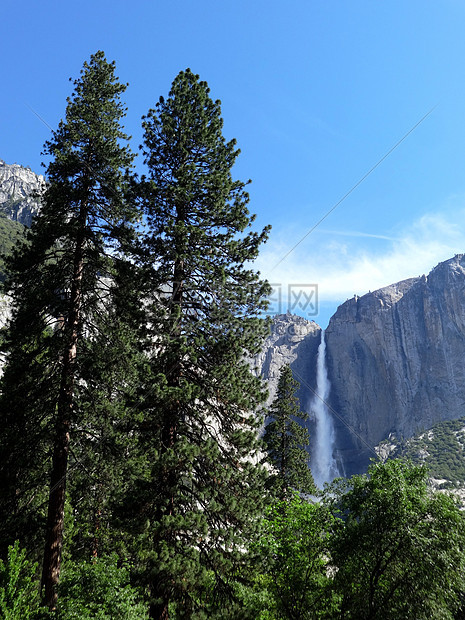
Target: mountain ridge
<point>395,359</point>
<point>19,192</point>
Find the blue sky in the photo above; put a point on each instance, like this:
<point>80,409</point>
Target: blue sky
<point>315,92</point>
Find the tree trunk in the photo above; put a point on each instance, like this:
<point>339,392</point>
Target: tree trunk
<point>57,494</point>
<point>159,611</point>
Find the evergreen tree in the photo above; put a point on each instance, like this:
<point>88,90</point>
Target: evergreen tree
<point>287,441</point>
<point>200,487</point>
<point>62,284</point>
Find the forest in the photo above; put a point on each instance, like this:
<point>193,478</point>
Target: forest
<point>136,480</point>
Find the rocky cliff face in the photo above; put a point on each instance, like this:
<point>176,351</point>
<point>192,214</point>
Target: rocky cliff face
<point>19,188</point>
<point>396,360</point>
<point>5,310</point>
<point>292,340</point>
<point>18,192</point>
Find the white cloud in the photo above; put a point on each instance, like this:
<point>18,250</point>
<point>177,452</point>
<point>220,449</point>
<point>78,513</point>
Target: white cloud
<point>348,263</point>
<point>355,233</point>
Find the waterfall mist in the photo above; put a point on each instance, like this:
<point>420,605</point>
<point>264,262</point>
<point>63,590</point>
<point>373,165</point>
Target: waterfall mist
<point>324,466</point>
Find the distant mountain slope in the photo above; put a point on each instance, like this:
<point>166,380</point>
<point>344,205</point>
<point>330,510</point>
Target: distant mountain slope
<point>441,448</point>
<point>19,188</point>
<point>395,359</point>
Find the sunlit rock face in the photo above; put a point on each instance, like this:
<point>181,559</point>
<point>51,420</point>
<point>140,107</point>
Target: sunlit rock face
<point>19,188</point>
<point>5,310</point>
<point>292,340</point>
<point>19,201</point>
<point>396,360</point>
<point>5,313</point>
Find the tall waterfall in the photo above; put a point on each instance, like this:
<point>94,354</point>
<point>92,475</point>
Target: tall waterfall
<point>324,466</point>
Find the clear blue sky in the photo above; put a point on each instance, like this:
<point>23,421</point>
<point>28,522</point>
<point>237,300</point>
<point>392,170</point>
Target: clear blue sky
<point>315,92</point>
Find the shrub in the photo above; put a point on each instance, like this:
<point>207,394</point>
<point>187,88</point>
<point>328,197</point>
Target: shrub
<point>19,592</point>
<point>99,590</point>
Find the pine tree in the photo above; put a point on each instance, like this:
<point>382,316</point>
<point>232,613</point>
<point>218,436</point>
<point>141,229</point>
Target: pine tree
<point>200,487</point>
<point>287,441</point>
<point>62,284</point>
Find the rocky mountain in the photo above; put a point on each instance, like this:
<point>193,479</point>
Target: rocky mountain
<point>292,340</point>
<point>19,188</point>
<point>395,362</point>
<point>441,448</point>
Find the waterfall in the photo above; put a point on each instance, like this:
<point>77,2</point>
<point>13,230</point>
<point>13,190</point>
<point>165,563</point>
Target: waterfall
<point>324,466</point>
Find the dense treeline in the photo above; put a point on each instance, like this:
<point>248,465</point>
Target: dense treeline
<point>131,470</point>
<point>10,232</point>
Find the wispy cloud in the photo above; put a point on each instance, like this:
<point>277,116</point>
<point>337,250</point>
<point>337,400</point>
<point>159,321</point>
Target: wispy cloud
<point>355,233</point>
<point>343,265</point>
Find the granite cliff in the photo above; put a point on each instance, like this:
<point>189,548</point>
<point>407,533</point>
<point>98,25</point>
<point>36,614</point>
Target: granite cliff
<point>19,188</point>
<point>395,359</point>
<point>292,340</point>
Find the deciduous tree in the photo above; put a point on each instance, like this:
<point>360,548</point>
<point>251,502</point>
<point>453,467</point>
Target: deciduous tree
<point>294,546</point>
<point>399,547</point>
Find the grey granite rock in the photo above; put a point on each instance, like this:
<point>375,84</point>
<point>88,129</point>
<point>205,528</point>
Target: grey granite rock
<point>396,360</point>
<point>19,188</point>
<point>5,313</point>
<point>292,340</point>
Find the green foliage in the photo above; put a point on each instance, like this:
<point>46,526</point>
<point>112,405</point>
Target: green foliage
<point>286,440</point>
<point>141,340</point>
<point>394,551</point>
<point>19,593</point>
<point>399,548</point>
<point>294,547</point>
<point>56,398</point>
<point>441,449</point>
<point>99,590</point>
<point>249,600</point>
<point>10,234</point>
<point>199,490</point>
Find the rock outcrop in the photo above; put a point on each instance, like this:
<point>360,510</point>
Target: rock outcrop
<point>5,310</point>
<point>5,313</point>
<point>396,360</point>
<point>19,188</point>
<point>292,340</point>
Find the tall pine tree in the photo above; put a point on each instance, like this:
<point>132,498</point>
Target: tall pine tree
<point>200,488</point>
<point>62,284</point>
<point>286,439</point>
